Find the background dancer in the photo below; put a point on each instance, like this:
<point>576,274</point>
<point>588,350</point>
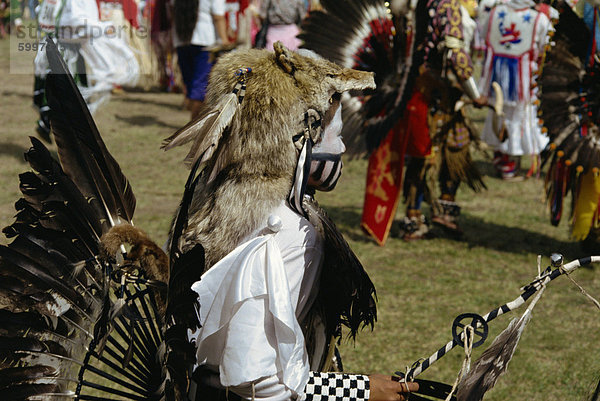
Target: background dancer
<point>419,54</point>
<point>516,38</point>
<point>197,26</point>
<point>96,55</point>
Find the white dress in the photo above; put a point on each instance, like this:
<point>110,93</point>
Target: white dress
<point>109,60</point>
<point>250,305</point>
<point>515,36</point>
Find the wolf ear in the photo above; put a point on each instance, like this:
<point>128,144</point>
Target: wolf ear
<point>284,57</point>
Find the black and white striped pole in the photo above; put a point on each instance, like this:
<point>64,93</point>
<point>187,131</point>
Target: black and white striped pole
<point>479,323</point>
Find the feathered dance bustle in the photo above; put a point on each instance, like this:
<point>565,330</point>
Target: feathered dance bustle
<point>366,35</point>
<point>570,111</point>
<point>82,153</point>
<point>73,324</point>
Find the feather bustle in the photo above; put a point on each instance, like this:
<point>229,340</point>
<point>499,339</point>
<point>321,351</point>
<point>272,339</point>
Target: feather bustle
<point>360,34</point>
<point>54,290</point>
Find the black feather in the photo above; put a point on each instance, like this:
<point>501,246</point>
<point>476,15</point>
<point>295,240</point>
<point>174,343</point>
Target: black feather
<point>82,152</point>
<point>26,391</point>
<point>27,373</point>
<point>182,303</point>
<point>346,294</point>
<point>64,313</point>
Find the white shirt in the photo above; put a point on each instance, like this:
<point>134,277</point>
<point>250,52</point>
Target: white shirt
<point>250,302</point>
<point>108,58</point>
<point>205,33</point>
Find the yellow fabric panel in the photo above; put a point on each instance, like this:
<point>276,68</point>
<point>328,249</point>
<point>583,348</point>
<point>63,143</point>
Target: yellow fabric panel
<point>586,205</point>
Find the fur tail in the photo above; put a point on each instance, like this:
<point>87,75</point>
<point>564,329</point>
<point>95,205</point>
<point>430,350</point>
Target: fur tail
<point>144,251</point>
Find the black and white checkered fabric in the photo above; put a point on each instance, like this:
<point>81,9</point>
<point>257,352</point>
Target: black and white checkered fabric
<point>337,387</point>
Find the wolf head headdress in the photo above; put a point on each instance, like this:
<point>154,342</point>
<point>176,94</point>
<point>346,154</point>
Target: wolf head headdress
<point>262,110</point>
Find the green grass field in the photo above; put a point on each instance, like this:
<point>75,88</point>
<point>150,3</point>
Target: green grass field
<point>421,286</point>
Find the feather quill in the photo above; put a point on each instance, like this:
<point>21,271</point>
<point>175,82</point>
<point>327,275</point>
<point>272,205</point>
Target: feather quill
<point>494,360</point>
<point>206,131</point>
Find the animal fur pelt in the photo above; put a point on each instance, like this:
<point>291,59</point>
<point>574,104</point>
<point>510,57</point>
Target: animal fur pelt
<point>367,35</point>
<point>150,257</point>
<point>256,157</point>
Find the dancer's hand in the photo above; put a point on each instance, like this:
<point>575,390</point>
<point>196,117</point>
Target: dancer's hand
<point>385,388</point>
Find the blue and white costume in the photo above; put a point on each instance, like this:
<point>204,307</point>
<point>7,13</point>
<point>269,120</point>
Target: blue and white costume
<point>515,35</point>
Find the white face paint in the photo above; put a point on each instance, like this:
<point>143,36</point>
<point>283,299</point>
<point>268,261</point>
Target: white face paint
<point>326,166</point>
<point>332,141</point>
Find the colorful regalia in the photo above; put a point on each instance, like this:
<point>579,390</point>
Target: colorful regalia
<point>515,37</point>
<point>569,110</point>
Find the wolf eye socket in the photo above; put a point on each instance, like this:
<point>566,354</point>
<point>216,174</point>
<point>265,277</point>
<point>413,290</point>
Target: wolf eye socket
<point>335,97</point>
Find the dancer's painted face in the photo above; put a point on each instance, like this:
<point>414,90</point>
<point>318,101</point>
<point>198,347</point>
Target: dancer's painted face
<point>326,165</point>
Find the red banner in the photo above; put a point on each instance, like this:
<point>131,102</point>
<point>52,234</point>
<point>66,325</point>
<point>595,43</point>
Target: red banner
<point>384,182</point>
